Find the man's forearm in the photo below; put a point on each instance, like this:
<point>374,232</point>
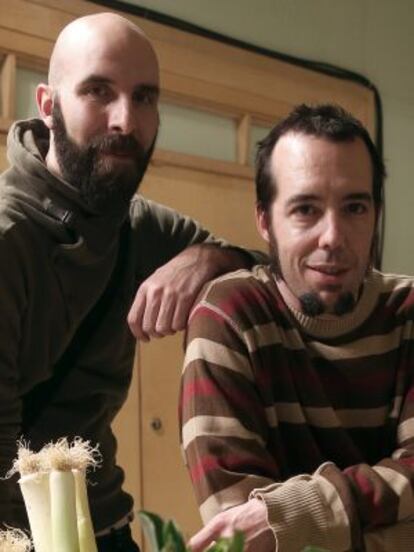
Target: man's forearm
<point>163,301</point>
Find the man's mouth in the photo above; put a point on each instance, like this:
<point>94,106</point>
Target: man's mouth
<point>329,276</point>
<point>329,269</point>
<point>119,156</point>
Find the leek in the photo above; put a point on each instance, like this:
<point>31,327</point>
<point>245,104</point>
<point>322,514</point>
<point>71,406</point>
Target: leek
<point>35,491</point>
<point>85,529</point>
<point>63,511</point>
<point>53,484</point>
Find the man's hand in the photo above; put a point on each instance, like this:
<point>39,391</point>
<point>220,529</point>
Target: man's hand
<point>164,300</point>
<point>250,518</point>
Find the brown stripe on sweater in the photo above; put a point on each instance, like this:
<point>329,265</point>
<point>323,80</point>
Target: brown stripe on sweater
<point>212,472</point>
<point>214,390</point>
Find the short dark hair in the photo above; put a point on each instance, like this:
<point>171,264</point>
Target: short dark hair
<point>327,121</point>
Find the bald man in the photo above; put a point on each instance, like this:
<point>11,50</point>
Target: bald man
<point>75,246</point>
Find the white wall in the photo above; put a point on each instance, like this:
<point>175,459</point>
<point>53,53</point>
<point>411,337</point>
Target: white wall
<point>373,37</point>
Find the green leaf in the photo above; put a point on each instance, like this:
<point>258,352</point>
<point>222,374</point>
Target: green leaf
<point>165,536</point>
<point>233,544</point>
<point>237,544</point>
<point>152,526</point>
<point>173,541</point>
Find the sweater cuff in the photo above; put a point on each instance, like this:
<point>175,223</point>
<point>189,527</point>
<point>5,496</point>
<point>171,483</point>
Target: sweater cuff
<point>299,516</point>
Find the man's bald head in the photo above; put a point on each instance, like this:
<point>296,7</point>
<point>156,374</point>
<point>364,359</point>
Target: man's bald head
<point>101,107</point>
<point>87,35</point>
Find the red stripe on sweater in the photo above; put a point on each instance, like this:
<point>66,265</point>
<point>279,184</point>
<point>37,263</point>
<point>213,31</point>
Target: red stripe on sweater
<point>204,387</point>
<point>370,496</point>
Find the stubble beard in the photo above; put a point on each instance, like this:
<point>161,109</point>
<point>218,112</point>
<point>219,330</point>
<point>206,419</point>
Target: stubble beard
<point>310,302</point>
<point>101,186</point>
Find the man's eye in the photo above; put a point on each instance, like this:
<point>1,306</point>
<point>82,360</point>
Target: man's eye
<point>305,210</point>
<point>356,208</point>
<point>145,98</point>
<point>99,92</point>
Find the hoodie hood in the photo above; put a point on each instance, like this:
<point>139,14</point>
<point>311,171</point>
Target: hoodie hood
<point>51,200</point>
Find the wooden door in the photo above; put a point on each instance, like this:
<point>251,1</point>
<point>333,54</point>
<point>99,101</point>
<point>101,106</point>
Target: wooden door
<point>226,206</point>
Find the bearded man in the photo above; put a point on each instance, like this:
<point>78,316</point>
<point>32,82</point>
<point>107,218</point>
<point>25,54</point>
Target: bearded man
<point>75,245</point>
<point>297,406</point>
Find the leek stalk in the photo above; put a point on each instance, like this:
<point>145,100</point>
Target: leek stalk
<point>87,541</point>
<point>53,484</point>
<point>63,511</point>
<point>35,491</point>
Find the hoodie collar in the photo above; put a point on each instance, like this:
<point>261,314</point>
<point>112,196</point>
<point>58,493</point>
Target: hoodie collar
<point>28,143</point>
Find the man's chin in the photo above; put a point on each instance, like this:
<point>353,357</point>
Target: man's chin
<point>328,299</point>
<point>316,303</point>
<point>338,303</point>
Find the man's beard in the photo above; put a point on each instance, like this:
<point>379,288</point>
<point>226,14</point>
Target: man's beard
<point>101,187</point>
<point>310,302</point>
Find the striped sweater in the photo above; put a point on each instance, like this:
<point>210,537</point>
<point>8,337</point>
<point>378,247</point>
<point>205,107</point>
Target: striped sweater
<point>313,415</point>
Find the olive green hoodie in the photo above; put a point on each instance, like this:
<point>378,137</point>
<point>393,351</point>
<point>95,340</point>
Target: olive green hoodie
<point>67,280</point>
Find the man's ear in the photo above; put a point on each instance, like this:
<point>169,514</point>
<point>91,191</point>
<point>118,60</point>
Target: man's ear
<point>262,223</point>
<point>44,100</point>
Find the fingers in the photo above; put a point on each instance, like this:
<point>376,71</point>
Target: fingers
<point>135,317</point>
<point>204,538</point>
<point>163,302</point>
<point>159,315</point>
<point>182,311</point>
<point>157,312</point>
<point>250,518</point>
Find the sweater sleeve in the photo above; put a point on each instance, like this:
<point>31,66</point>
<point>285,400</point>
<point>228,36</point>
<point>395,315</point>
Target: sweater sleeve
<point>343,509</point>
<point>223,421</point>
<point>224,438</point>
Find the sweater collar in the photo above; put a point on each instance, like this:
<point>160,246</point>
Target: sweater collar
<point>335,326</point>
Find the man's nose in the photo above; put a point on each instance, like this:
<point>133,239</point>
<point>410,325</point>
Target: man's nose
<point>121,117</point>
<point>332,233</point>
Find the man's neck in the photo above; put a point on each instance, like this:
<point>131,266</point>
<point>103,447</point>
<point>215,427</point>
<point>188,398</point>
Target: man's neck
<point>51,160</point>
<point>288,296</point>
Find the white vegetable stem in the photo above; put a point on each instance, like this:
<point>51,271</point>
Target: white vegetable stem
<point>53,483</point>
<point>87,542</point>
<point>35,490</point>
<point>63,511</point>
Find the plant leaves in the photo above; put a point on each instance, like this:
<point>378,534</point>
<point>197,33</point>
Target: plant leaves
<point>152,526</point>
<point>237,544</point>
<point>165,536</point>
<point>233,544</point>
<point>172,539</point>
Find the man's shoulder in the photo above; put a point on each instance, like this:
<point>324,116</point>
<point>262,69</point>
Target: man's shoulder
<point>142,208</point>
<point>396,290</point>
<point>240,291</point>
<point>390,280</point>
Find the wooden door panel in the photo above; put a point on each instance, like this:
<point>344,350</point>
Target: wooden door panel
<point>225,205</point>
